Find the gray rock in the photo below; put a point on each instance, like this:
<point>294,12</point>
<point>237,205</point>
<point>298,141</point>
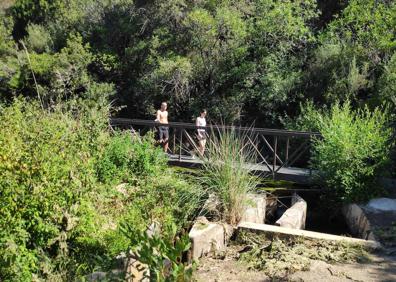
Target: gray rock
<point>382,204</point>
<point>255,209</point>
<point>208,237</point>
<point>295,216</point>
<point>96,276</point>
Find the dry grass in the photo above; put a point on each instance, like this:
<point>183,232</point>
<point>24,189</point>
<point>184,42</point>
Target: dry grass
<point>5,4</point>
<point>280,258</point>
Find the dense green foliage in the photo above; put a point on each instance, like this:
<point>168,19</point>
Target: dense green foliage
<point>353,151</point>
<point>46,174</point>
<point>353,53</point>
<point>61,208</point>
<point>163,255</point>
<point>122,159</point>
<point>243,60</point>
<point>70,187</point>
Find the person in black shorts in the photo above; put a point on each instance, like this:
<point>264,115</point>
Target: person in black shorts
<point>163,134</point>
<point>162,117</point>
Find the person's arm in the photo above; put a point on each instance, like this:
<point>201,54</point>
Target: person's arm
<point>158,116</point>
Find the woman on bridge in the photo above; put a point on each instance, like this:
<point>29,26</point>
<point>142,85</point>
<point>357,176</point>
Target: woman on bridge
<point>201,133</point>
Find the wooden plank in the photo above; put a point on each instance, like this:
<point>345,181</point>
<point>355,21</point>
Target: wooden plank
<point>288,232</point>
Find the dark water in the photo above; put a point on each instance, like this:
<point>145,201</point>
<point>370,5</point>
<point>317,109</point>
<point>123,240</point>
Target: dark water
<point>318,219</point>
<point>322,219</point>
<point>322,223</point>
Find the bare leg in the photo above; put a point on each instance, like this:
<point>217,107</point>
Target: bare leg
<point>201,148</point>
<point>166,145</point>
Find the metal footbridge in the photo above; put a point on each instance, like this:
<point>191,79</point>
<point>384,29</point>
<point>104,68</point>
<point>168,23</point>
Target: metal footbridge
<point>281,154</point>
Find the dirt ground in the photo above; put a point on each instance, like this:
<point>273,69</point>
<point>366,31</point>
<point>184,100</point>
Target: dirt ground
<point>381,265</point>
<point>380,268</point>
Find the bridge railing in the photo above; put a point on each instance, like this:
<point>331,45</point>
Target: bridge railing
<point>276,149</point>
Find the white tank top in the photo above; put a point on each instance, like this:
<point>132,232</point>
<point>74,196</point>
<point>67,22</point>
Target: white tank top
<point>201,122</point>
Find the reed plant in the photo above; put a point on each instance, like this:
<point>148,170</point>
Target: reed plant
<point>226,170</point>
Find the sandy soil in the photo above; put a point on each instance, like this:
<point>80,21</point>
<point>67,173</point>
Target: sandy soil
<point>381,268</point>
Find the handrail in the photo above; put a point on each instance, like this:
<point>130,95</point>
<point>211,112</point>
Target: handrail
<point>271,155</point>
<point>266,131</point>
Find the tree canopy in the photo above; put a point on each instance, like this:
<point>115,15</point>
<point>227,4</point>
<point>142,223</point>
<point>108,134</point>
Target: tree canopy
<point>246,61</point>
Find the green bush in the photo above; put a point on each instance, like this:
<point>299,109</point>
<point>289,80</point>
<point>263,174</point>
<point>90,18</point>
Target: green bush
<point>169,201</point>
<point>46,171</point>
<point>57,220</point>
<point>310,118</point>
<point>353,151</point>
<point>157,195</point>
<point>126,157</point>
<point>165,198</point>
<point>156,250</point>
<point>38,40</point>
<point>147,159</point>
<point>114,161</point>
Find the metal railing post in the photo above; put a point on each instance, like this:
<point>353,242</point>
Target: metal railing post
<point>174,141</point>
<point>180,143</point>
<point>275,151</point>
<point>309,160</point>
<point>287,149</point>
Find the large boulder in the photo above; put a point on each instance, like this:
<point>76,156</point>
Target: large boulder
<point>382,204</point>
<point>255,209</point>
<point>208,237</point>
<point>295,216</point>
<point>357,222</point>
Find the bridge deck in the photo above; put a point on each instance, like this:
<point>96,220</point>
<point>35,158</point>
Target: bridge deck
<point>299,175</point>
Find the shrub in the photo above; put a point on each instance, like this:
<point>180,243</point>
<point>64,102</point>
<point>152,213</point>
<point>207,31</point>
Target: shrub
<point>171,202</point>
<point>353,151</point>
<point>157,250</point>
<point>310,118</point>
<point>165,199</point>
<point>46,169</point>
<point>57,220</point>
<point>226,171</point>
<point>125,157</point>
<point>113,164</point>
<point>387,82</point>
<point>148,159</point>
<point>39,39</point>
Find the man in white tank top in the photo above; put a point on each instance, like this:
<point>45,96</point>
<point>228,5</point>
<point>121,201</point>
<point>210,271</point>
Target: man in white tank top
<point>201,133</point>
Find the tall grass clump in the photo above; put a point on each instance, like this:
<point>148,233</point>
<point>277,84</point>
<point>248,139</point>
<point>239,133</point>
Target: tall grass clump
<point>226,171</point>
